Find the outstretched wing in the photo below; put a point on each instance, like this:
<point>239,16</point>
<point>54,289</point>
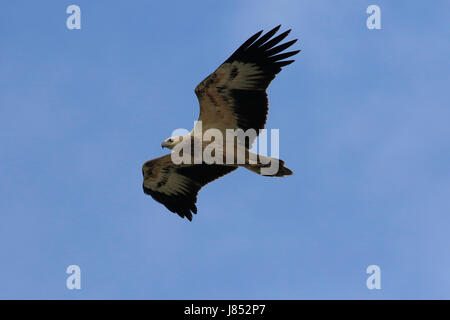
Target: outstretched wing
<point>177,186</point>
<point>234,96</point>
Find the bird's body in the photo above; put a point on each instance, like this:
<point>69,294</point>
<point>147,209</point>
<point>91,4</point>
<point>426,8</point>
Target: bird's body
<point>231,98</point>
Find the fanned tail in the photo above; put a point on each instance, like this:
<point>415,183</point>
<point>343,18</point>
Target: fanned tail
<point>275,168</point>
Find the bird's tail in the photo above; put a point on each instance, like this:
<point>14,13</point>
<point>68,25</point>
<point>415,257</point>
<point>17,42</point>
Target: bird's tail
<point>270,167</point>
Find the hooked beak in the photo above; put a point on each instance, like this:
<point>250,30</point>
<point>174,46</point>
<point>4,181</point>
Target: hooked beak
<point>164,145</point>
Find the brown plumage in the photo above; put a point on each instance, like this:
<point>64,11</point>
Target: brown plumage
<point>232,97</point>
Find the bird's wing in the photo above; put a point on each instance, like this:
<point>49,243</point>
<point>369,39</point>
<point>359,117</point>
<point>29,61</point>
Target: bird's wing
<point>176,186</point>
<point>234,96</point>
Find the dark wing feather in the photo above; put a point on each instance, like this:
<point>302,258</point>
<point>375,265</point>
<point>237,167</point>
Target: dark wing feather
<point>234,96</point>
<point>177,186</point>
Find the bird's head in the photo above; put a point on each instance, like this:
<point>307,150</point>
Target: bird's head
<point>171,142</point>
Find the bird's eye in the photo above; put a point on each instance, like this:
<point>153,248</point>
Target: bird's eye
<point>170,140</point>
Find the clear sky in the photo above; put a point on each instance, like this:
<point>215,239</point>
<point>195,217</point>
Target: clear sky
<point>364,124</point>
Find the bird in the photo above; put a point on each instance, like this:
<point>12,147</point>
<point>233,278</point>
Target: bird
<point>232,97</point>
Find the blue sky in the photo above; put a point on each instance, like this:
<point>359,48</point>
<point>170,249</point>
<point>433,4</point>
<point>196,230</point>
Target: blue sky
<point>363,118</point>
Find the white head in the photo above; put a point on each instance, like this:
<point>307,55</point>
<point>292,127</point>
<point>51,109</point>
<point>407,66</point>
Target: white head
<point>171,142</point>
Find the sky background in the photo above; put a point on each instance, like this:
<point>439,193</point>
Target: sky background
<point>364,124</point>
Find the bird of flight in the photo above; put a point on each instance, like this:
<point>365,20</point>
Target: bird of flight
<point>232,97</point>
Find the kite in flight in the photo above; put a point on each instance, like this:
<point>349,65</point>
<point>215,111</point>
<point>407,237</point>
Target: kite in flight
<point>232,97</point>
